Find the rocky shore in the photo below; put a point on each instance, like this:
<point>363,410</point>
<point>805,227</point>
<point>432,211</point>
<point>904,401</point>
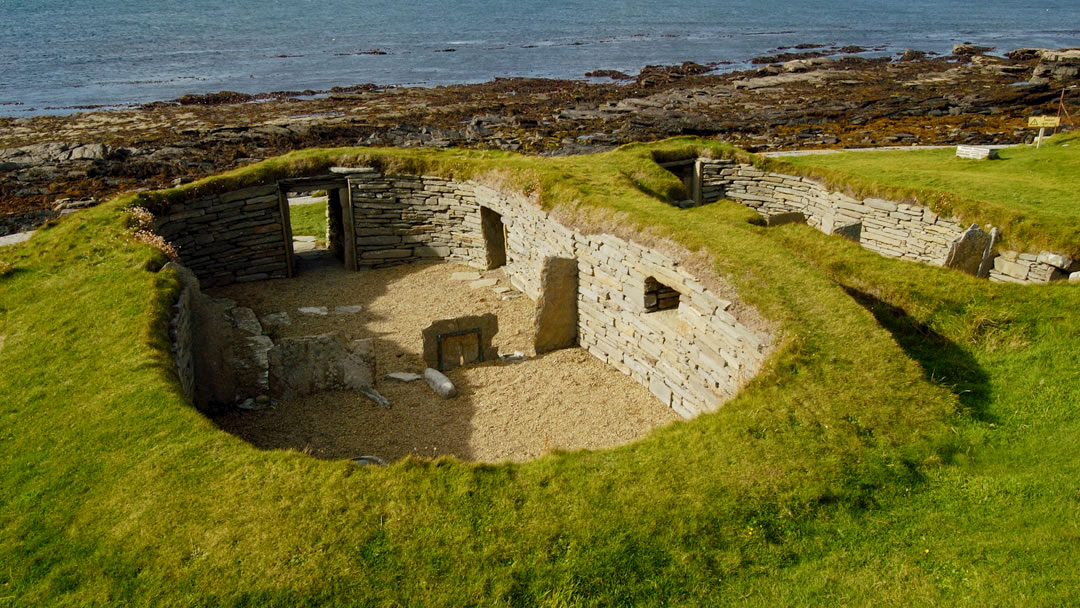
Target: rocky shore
<point>49,164</point>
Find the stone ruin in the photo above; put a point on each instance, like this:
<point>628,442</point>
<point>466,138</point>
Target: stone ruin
<point>238,363</point>
<point>591,289</point>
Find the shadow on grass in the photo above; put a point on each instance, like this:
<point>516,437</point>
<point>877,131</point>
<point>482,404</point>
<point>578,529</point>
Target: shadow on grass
<point>943,361</point>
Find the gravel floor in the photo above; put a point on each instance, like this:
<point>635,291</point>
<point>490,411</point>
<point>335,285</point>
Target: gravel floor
<point>504,411</point>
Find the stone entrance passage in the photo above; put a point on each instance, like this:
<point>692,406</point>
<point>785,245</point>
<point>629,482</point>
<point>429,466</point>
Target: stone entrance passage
<point>334,238</point>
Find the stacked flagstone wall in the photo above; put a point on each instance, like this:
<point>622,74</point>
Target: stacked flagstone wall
<point>693,356</point>
<point>233,237</point>
<point>897,230</point>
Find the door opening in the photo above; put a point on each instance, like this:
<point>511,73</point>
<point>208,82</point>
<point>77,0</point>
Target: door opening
<point>494,231</point>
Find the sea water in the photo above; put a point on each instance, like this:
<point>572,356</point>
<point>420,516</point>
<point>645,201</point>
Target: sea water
<point>60,55</point>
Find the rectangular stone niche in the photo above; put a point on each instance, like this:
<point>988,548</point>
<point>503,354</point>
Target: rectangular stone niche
<point>454,343</point>
<point>659,296</point>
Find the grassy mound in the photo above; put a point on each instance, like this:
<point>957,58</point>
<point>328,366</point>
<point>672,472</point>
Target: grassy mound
<point>913,439</point>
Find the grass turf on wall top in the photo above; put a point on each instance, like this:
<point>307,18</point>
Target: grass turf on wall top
<point>911,440</point>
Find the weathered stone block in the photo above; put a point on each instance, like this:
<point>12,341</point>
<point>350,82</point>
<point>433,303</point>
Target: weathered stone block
<point>1056,260</point>
<point>1015,270</point>
<point>556,311</point>
<point>966,253</point>
<point>439,383</point>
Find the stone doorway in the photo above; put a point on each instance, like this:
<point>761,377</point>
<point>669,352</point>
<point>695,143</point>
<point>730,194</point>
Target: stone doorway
<point>318,213</point>
<point>494,231</point>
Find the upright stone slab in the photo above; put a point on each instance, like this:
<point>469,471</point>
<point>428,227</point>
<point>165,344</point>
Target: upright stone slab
<point>453,343</point>
<point>988,255</point>
<point>556,309</point>
<point>967,253</point>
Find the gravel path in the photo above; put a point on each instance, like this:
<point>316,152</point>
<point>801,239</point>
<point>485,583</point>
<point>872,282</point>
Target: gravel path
<point>504,411</point>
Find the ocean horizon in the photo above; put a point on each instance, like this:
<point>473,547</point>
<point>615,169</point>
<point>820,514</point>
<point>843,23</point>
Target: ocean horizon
<point>63,56</point>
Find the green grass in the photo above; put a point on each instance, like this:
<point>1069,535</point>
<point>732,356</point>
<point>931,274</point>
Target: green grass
<point>912,441</point>
<point>309,220</point>
<point>1032,194</point>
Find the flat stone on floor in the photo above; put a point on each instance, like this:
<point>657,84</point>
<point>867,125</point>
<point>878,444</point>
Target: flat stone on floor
<point>303,246</point>
<point>321,311</point>
<point>484,283</point>
<point>465,276</point>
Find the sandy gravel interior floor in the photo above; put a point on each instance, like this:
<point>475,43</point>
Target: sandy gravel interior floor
<point>504,411</point>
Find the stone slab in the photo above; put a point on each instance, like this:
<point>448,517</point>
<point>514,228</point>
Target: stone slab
<point>465,276</point>
<point>18,237</point>
<point>556,317</point>
<point>462,349</point>
<point>966,253</point>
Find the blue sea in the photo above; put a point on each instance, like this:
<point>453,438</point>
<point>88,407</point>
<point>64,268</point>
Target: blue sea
<point>60,55</point>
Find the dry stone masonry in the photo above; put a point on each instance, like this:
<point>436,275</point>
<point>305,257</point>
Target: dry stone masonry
<point>636,309</point>
<point>896,230</point>
<point>227,238</point>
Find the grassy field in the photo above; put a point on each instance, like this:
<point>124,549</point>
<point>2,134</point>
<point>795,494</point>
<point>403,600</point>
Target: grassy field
<point>309,220</point>
<point>914,440</point>
<point>1032,194</point>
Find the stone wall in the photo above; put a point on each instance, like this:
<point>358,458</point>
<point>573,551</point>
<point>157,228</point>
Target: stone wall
<point>896,230</point>
<point>693,357</point>
<point>1014,267</point>
<point>182,337</point>
<point>893,229</point>
<point>401,219</point>
<point>226,238</point>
